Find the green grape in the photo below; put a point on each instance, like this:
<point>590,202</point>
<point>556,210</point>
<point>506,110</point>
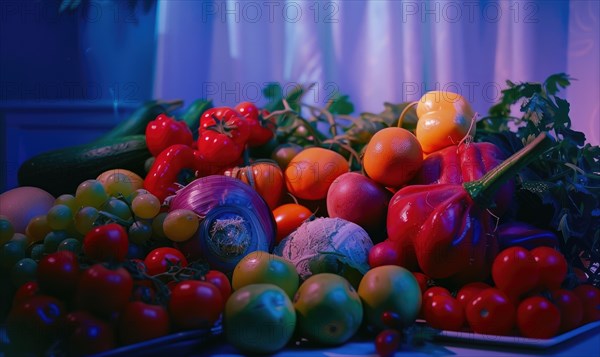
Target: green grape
<point>157,225</point>
<point>118,208</point>
<point>53,239</point>
<point>23,271</point>
<point>10,253</point>
<point>90,193</point>
<point>21,239</point>
<point>67,200</point>
<point>180,225</point>
<point>37,252</point>
<point>59,217</point>
<point>6,230</point>
<point>37,228</point>
<point>119,184</point>
<point>85,218</point>
<point>146,206</point>
<point>70,244</point>
<point>140,233</point>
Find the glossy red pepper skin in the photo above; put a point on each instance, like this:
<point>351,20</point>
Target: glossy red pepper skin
<point>464,163</point>
<point>261,131</point>
<point>165,131</point>
<point>446,230</point>
<point>440,230</point>
<point>223,135</point>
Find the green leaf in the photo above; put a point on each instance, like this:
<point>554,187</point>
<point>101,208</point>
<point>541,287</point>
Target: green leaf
<point>273,91</point>
<point>341,105</point>
<point>555,82</point>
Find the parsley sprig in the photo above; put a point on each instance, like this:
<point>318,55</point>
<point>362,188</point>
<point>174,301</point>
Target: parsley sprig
<point>563,191</point>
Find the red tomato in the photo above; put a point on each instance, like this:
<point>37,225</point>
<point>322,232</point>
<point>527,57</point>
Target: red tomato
<point>590,299</point>
<point>444,312</point>
<point>435,291</point>
<point>469,291</point>
<point>160,259</point>
<point>106,243</point>
<point>491,312</point>
<point>26,291</point>
<point>387,342</point>
<point>538,318</point>
<point>223,135</point>
<point>552,266</point>
<point>570,307</point>
<point>90,335</point>
<point>144,290</point>
<point>141,322</point>
<point>515,271</point>
<point>423,280</point>
<point>58,273</point>
<point>221,281</point>
<point>195,304</point>
<point>261,131</point>
<point>288,218</point>
<point>34,324</point>
<point>104,291</point>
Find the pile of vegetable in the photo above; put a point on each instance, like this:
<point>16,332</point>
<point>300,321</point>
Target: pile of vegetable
<point>293,224</point>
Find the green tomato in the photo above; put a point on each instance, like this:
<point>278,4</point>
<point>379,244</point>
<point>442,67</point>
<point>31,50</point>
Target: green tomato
<point>390,288</point>
<point>329,309</point>
<point>23,271</point>
<point>259,318</point>
<point>264,268</point>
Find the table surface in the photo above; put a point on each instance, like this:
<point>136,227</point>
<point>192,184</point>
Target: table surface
<point>586,344</point>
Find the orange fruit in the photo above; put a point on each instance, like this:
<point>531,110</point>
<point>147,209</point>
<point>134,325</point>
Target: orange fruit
<point>392,157</point>
<point>310,173</point>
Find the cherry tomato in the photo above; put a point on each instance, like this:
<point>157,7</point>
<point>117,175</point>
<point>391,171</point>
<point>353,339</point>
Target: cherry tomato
<point>141,322</point>
<point>444,312</point>
<point>89,335</point>
<point>392,319</point>
<point>570,307</point>
<point>435,291</point>
<point>160,259</point>
<point>106,243</point>
<point>284,153</point>
<point>538,318</point>
<point>469,291</point>
<point>58,273</point>
<point>26,291</point>
<point>34,324</point>
<point>423,280</point>
<point>552,266</point>
<point>387,342</point>
<point>515,271</point>
<point>195,304</point>
<point>289,217</point>
<point>221,281</point>
<point>104,291</point>
<point>590,299</point>
<point>491,312</point>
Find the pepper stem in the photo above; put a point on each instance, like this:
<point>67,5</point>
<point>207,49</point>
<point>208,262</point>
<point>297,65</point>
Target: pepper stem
<point>482,191</point>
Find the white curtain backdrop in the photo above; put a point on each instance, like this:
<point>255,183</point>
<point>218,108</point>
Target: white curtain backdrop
<point>382,50</point>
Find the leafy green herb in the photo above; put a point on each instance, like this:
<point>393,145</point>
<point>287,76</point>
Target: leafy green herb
<point>567,181</point>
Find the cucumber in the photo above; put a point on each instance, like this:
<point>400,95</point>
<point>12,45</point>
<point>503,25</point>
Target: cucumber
<point>139,119</point>
<point>192,115</point>
<point>61,171</point>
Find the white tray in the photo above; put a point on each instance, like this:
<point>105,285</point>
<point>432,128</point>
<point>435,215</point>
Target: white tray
<point>514,341</point>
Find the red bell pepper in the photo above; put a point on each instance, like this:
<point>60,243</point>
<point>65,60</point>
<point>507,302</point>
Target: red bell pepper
<point>446,230</point>
<point>464,163</point>
<point>162,178</point>
<point>261,130</point>
<point>223,136</point>
<point>165,131</point>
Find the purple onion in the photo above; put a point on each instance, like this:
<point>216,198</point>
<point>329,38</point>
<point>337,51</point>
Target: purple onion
<point>235,221</point>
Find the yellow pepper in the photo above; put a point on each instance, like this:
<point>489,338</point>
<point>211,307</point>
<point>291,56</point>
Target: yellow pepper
<point>445,118</point>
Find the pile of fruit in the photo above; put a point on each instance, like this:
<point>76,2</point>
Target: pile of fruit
<point>296,224</point>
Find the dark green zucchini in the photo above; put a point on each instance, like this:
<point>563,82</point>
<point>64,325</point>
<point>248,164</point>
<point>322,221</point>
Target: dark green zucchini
<point>61,171</point>
<point>136,123</point>
<point>192,114</point>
